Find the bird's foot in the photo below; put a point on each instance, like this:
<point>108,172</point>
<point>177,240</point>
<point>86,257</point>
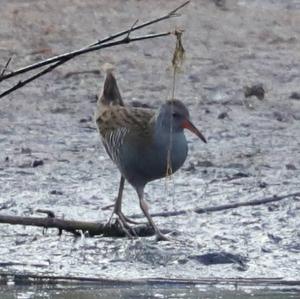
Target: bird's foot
<point>161,237</point>
<point>124,218</point>
<point>129,220</point>
<point>128,230</point>
<point>123,222</point>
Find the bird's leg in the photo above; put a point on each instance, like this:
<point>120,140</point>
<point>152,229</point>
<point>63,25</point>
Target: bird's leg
<point>144,206</point>
<point>125,229</point>
<point>117,208</point>
<point>118,203</point>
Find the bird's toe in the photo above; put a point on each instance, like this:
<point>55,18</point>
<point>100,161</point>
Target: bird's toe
<point>161,237</point>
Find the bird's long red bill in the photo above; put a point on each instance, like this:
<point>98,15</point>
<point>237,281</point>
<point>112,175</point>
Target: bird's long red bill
<point>188,125</point>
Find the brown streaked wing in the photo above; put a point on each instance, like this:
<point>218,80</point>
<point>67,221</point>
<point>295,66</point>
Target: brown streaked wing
<point>133,119</point>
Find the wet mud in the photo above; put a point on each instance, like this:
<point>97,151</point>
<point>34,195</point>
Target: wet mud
<point>51,156</point>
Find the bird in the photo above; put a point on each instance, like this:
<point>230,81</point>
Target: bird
<point>145,144</point>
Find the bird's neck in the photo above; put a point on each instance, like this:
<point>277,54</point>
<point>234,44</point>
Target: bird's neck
<point>169,144</point>
<point>165,134</point>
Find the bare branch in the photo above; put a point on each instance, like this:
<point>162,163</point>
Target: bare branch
<point>169,15</point>
<point>223,207</point>
<point>100,42</point>
<point>75,227</point>
<point>70,55</point>
<point>23,83</point>
<point>173,13</point>
<point>130,30</point>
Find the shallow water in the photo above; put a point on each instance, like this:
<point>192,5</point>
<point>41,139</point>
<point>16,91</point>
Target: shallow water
<point>140,292</point>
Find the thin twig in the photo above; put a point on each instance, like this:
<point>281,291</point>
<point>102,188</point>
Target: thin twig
<point>100,42</point>
<point>5,67</point>
<point>76,53</point>
<point>130,30</point>
<point>223,207</point>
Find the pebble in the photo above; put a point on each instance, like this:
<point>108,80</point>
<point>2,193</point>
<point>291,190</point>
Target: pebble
<point>223,115</point>
<point>290,167</point>
<point>295,95</point>
<point>55,192</point>
<point>36,163</point>
<point>255,90</point>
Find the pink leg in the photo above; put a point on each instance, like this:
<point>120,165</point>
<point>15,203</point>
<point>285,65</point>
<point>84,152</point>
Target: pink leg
<point>143,204</point>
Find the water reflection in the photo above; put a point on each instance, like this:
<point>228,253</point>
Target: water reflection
<point>133,292</point>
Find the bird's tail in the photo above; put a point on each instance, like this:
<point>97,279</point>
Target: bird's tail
<point>110,93</point>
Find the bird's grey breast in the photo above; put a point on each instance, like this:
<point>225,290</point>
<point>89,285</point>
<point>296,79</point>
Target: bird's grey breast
<point>171,151</point>
<point>144,162</point>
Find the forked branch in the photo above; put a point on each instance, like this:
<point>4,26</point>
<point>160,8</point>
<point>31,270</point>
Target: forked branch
<point>95,46</point>
<point>71,55</point>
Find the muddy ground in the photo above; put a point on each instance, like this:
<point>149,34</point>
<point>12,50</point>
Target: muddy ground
<point>253,148</point>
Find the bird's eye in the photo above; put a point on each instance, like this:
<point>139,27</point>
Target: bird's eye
<point>175,114</point>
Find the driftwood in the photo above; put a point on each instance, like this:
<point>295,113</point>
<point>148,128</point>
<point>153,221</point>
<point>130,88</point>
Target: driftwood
<point>293,285</point>
<point>107,42</point>
<point>78,227</point>
<point>115,229</point>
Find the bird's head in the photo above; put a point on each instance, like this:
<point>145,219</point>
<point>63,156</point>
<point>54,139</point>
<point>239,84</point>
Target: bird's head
<point>174,116</point>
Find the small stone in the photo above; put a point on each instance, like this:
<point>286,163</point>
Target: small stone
<point>290,167</point>
<point>295,95</point>
<point>241,175</point>
<point>215,258</point>
<point>223,115</point>
<point>182,261</point>
<point>255,90</point>
<point>85,120</point>
<point>37,163</point>
<point>262,185</point>
<point>278,116</point>
<point>55,192</point>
